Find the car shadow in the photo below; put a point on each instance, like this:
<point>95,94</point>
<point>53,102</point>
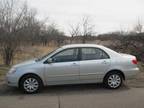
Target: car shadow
<point>77,89</point>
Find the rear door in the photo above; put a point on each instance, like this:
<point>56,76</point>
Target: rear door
<point>94,63</point>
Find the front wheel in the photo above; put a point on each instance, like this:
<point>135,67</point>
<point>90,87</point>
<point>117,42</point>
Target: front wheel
<point>113,80</point>
<point>30,84</point>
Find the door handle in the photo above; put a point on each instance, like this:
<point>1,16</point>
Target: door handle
<point>104,62</point>
<point>74,64</point>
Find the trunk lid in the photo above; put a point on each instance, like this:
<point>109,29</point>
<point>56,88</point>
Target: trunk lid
<point>127,55</point>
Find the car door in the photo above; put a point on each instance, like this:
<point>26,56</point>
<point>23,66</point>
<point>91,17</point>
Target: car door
<point>64,66</point>
<point>94,63</point>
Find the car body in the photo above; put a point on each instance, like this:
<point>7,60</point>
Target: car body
<point>75,64</point>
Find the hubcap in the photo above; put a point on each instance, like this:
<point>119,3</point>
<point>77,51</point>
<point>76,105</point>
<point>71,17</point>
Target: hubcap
<point>114,81</point>
<point>31,85</point>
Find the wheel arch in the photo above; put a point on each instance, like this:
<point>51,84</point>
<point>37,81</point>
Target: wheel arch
<point>28,74</point>
<point>115,70</point>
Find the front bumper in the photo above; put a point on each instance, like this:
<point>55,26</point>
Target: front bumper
<point>11,80</point>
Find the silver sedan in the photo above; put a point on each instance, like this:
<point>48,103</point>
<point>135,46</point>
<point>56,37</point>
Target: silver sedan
<point>74,64</point>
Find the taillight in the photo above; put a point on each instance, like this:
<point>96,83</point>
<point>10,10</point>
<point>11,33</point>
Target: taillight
<point>134,61</point>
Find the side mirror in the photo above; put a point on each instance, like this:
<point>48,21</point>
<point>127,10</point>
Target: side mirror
<point>49,60</point>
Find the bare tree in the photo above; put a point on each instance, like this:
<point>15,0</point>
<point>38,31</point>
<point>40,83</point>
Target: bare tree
<point>74,31</point>
<point>87,29</point>
<point>84,29</point>
<point>51,33</point>
<point>138,27</point>
<point>32,28</point>
<point>13,15</point>
<point>57,35</point>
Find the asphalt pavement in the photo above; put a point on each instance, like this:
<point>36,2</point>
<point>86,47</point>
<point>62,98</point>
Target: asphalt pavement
<point>73,96</point>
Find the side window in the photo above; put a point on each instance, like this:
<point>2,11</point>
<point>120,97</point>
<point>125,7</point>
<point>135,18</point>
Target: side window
<point>66,55</point>
<point>93,54</point>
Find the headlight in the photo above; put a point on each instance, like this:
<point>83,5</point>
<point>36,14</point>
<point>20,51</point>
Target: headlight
<point>12,70</point>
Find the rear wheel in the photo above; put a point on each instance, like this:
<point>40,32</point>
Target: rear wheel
<point>30,84</point>
<point>113,80</point>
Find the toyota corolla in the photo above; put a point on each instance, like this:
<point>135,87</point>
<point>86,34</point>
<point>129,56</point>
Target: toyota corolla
<point>74,64</point>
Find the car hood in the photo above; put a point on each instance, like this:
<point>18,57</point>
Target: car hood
<point>29,62</point>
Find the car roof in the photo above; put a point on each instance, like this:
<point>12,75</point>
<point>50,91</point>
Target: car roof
<point>109,51</point>
<point>81,45</point>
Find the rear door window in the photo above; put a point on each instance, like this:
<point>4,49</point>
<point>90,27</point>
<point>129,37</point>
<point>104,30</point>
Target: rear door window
<point>93,54</point>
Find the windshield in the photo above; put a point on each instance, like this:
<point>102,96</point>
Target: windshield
<point>44,56</point>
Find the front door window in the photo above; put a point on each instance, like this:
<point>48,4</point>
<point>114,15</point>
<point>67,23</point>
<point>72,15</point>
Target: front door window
<point>66,55</point>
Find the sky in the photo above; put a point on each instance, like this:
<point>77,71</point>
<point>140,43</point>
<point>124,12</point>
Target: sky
<point>106,15</point>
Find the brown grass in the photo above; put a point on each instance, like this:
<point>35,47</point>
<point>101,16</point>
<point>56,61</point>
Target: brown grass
<point>30,52</point>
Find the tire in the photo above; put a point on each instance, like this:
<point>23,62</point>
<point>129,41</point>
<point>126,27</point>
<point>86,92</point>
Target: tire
<point>113,80</point>
<point>30,84</point>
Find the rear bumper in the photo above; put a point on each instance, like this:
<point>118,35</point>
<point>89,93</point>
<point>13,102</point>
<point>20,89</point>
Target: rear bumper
<point>131,74</point>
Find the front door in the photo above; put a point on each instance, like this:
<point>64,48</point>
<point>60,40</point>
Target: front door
<point>64,66</point>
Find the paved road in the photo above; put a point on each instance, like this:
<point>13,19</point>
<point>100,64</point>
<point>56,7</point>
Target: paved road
<point>76,96</point>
